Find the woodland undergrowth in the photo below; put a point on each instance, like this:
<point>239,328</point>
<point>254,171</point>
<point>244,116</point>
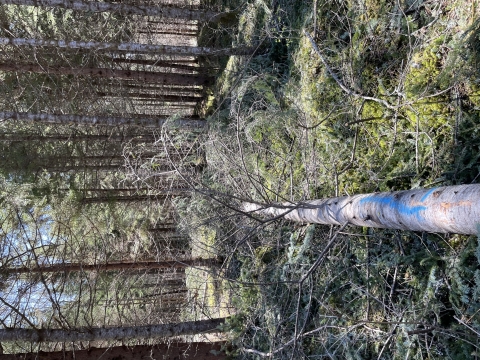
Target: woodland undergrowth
<point>340,98</point>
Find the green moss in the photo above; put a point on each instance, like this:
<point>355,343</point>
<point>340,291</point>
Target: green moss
<point>264,254</point>
<point>473,93</point>
<point>373,110</point>
<point>376,9</point>
<point>424,70</point>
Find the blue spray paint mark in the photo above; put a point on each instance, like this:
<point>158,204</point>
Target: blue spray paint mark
<point>391,202</point>
<point>427,194</point>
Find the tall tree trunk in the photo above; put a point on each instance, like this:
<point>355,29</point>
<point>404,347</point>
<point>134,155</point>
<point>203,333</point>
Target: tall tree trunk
<point>145,265</point>
<point>112,333</point>
<point>449,209</point>
<point>112,190</point>
<point>132,198</point>
<point>135,48</point>
<point>160,63</point>
<point>106,195</point>
<point>76,138</point>
<point>86,158</point>
<point>167,87</point>
<point>120,8</point>
<point>160,195</point>
<point>174,32</point>
<point>85,167</point>
<point>170,351</point>
<point>158,98</point>
<point>142,76</point>
<point>152,21</point>
<point>66,119</point>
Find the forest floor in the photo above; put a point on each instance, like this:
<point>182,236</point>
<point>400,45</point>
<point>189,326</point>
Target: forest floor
<point>389,100</point>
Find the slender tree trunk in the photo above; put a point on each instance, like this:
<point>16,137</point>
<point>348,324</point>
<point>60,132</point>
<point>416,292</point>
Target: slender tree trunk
<point>450,209</point>
<point>112,333</point>
<point>133,198</point>
<point>135,48</point>
<point>165,228</point>
<point>167,21</point>
<point>67,168</point>
<point>157,97</point>
<point>134,84</point>
<point>76,138</point>
<point>112,190</point>
<point>159,63</point>
<point>174,32</point>
<point>170,351</point>
<point>142,76</point>
<point>114,194</point>
<point>145,10</point>
<point>145,265</point>
<point>154,122</point>
<point>86,158</point>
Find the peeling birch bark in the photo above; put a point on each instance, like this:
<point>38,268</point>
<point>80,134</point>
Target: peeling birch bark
<point>128,47</point>
<point>68,119</point>
<point>145,10</point>
<point>450,209</point>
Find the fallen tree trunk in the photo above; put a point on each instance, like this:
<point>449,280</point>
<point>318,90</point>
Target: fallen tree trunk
<point>449,209</point>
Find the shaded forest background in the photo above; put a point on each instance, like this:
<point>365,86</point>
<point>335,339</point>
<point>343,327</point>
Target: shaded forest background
<point>101,110</point>
<point>324,98</point>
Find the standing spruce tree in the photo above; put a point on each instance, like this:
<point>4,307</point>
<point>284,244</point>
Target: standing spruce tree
<point>449,209</point>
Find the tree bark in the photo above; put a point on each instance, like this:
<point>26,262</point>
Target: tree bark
<point>135,48</point>
<point>112,190</point>
<point>161,195</point>
<point>174,32</point>
<point>145,10</point>
<point>170,351</point>
<point>160,63</point>
<point>112,333</point>
<point>142,76</point>
<point>86,167</point>
<point>450,209</point>
<point>76,138</point>
<point>158,98</point>
<point>66,119</point>
<point>145,265</point>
